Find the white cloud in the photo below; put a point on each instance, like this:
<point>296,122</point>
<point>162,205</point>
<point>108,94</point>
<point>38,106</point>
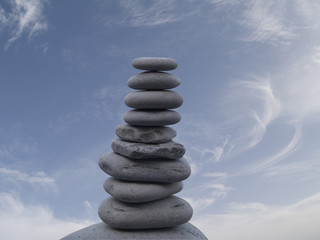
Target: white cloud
<point>217,175</point>
<point>298,86</point>
<point>38,178</point>
<point>20,221</point>
<point>26,16</point>
<point>252,221</point>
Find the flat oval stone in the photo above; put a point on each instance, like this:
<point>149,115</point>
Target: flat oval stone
<point>153,81</point>
<point>170,150</point>
<point>136,192</point>
<point>102,231</point>
<point>155,63</point>
<point>145,134</point>
<point>151,117</point>
<point>167,212</point>
<point>147,170</point>
<point>154,100</point>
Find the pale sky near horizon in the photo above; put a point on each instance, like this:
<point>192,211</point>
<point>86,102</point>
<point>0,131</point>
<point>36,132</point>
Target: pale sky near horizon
<point>250,120</point>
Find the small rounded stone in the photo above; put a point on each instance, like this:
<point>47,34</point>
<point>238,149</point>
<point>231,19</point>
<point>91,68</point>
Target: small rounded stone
<point>153,81</point>
<point>154,100</point>
<point>145,134</point>
<point>155,63</point>
<point>151,117</point>
<point>169,150</point>
<point>167,212</point>
<point>145,170</point>
<point>136,192</point>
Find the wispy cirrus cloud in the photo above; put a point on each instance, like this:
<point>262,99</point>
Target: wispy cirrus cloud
<point>100,105</point>
<point>151,13</point>
<point>259,221</point>
<point>251,106</point>
<point>212,189</point>
<point>154,13</point>
<point>25,16</point>
<point>282,154</point>
<point>266,22</point>
<point>36,178</point>
<point>14,142</point>
<point>213,154</point>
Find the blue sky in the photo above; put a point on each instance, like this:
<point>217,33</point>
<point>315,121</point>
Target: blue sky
<point>250,119</point>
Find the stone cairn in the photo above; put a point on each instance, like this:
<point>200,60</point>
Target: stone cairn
<point>147,167</point>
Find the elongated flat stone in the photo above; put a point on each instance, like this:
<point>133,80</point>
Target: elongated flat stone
<point>155,63</point>
<point>153,80</point>
<point>135,192</point>
<point>170,150</point>
<point>154,100</point>
<point>145,134</point>
<point>147,170</point>
<point>151,117</point>
<point>167,212</point>
<point>101,231</point>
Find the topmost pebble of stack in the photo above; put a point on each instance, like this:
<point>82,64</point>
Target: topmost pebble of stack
<point>155,63</point>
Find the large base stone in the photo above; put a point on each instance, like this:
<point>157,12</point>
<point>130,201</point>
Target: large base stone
<point>102,231</point>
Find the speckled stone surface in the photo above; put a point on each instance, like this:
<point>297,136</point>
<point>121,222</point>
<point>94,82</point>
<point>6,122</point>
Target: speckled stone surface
<point>136,192</point>
<point>155,63</point>
<point>148,170</point>
<point>102,231</point>
<point>167,212</point>
<point>170,150</point>
<point>151,117</point>
<point>145,134</point>
<point>153,80</point>
<point>154,99</point>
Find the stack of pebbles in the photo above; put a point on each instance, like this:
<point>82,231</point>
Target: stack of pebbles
<point>147,167</point>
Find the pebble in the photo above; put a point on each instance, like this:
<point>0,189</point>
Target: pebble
<point>153,81</point>
<point>153,100</point>
<point>136,192</point>
<point>145,134</point>
<point>147,170</point>
<point>151,117</point>
<point>167,212</point>
<point>155,63</point>
<point>169,150</point>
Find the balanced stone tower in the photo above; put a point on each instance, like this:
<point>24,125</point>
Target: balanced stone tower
<point>147,167</point>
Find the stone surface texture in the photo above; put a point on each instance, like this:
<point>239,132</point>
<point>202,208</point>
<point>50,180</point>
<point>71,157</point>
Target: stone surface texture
<point>169,150</point>
<point>151,117</point>
<point>155,64</point>
<point>153,81</point>
<point>145,134</point>
<point>147,170</point>
<point>101,231</point>
<point>167,212</point>
<point>134,192</point>
<point>153,100</point>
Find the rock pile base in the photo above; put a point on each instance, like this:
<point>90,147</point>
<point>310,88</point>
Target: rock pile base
<point>102,231</point>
